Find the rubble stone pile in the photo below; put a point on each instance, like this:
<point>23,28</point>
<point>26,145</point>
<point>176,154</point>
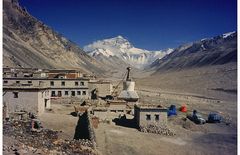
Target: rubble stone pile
<point>45,141</point>
<point>189,125</point>
<point>157,129</point>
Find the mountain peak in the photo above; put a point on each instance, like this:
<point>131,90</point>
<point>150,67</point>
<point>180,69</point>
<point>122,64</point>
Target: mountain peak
<point>120,37</point>
<point>121,48</point>
<point>119,40</point>
<point>225,35</point>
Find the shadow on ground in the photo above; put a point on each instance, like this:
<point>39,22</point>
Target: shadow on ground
<point>123,121</point>
<point>74,114</point>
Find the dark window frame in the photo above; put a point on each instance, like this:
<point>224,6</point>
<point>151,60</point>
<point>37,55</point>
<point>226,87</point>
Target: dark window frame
<point>148,117</point>
<point>59,93</point>
<point>63,83</point>
<point>76,83</point>
<point>15,94</point>
<point>53,93</point>
<point>51,83</point>
<point>73,93</point>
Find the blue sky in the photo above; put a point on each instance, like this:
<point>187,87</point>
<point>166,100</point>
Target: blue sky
<point>148,24</point>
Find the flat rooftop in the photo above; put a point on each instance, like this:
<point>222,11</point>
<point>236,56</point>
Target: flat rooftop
<point>24,87</point>
<point>150,106</point>
<point>100,82</point>
<point>43,78</point>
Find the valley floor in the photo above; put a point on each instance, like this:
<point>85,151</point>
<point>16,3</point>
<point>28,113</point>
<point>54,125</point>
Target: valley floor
<point>207,89</point>
<point>189,139</point>
<point>201,89</point>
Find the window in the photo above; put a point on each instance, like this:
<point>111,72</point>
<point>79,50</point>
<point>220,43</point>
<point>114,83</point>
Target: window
<point>52,83</point>
<point>73,93</point>
<point>15,94</point>
<point>63,83</point>
<point>78,92</point>
<point>17,81</point>
<point>148,117</point>
<point>66,92</point>
<point>156,117</point>
<point>29,81</point>
<point>53,93</point>
<point>84,93</point>
<point>5,81</point>
<point>59,93</point>
<point>82,83</point>
<point>40,82</point>
<point>76,83</point>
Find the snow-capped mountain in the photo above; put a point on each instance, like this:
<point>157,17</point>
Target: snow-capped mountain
<point>121,48</point>
<point>217,50</point>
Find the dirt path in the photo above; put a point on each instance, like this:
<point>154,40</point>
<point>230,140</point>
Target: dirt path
<point>60,120</point>
<point>119,140</point>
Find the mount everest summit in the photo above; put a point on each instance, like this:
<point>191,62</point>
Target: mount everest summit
<point>120,51</point>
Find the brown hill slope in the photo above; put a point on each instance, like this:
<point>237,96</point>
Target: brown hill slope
<point>218,50</point>
<point>207,67</point>
<point>27,42</point>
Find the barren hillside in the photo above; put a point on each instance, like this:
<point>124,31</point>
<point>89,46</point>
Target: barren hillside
<point>27,42</point>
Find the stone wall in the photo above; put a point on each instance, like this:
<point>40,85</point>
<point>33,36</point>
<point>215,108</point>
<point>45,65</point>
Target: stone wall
<point>30,101</point>
<point>103,88</point>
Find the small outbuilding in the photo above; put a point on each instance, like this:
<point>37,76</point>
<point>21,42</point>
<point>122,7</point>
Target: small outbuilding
<point>145,115</point>
<point>26,98</point>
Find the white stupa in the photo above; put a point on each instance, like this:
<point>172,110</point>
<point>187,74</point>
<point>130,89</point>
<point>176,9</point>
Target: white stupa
<point>128,93</point>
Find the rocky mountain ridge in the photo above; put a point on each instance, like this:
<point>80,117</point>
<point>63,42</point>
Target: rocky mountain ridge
<point>27,42</point>
<point>218,50</point>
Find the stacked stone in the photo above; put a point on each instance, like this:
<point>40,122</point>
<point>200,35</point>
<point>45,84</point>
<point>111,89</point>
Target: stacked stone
<point>91,131</point>
<point>161,129</point>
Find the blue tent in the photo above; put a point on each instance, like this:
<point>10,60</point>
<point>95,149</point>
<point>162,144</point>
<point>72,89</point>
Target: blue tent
<point>172,110</point>
<point>214,118</point>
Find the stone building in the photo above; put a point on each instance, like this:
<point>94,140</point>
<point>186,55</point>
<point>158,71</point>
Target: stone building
<point>100,88</point>
<point>65,74</point>
<point>24,72</point>
<point>58,87</point>
<point>117,106</point>
<point>145,115</point>
<point>113,109</point>
<point>26,98</point>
